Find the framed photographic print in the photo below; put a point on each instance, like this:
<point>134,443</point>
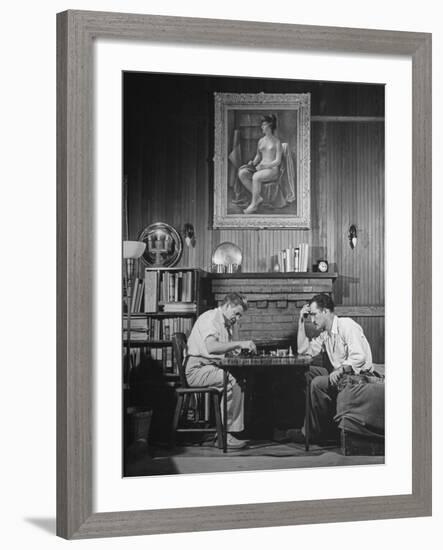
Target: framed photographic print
<point>172,161</point>
<point>262,160</point>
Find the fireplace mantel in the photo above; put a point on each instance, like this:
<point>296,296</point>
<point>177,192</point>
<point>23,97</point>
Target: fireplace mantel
<point>274,275</point>
<point>274,300</point>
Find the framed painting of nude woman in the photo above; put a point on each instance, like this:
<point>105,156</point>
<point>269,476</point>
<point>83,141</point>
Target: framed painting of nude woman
<point>262,160</point>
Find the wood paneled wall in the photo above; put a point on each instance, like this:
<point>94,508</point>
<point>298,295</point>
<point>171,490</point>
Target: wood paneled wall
<point>168,136</point>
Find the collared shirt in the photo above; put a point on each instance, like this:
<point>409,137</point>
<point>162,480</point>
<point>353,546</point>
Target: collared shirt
<point>211,323</point>
<point>345,344</point>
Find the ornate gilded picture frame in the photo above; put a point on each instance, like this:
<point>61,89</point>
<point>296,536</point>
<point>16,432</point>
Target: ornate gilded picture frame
<point>241,160</point>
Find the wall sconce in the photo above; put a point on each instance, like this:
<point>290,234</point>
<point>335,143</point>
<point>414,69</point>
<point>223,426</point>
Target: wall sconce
<point>189,234</point>
<point>352,236</point>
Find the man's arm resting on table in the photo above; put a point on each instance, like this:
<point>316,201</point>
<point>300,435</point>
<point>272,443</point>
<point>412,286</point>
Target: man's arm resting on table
<point>219,348</point>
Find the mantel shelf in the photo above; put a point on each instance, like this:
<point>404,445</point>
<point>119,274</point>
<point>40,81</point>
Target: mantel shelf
<point>275,275</point>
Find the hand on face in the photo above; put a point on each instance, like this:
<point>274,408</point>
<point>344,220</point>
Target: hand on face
<point>305,310</point>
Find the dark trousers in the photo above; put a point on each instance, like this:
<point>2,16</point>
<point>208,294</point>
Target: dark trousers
<point>323,405</point>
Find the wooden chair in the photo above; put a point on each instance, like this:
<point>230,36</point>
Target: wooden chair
<point>184,393</point>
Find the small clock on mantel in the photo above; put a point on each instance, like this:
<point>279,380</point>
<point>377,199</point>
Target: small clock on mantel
<point>322,266</point>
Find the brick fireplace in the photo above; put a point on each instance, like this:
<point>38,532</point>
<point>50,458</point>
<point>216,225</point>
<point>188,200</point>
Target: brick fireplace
<point>274,301</point>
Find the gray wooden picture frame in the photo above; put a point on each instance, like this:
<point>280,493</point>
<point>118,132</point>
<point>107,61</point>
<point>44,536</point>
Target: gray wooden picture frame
<point>76,31</point>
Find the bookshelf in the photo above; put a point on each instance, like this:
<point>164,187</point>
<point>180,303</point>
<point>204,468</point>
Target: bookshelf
<point>168,300</point>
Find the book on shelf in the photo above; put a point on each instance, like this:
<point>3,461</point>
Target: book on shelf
<point>134,294</point>
<point>289,255</point>
<point>168,365</point>
<point>178,286</point>
<point>154,329</point>
<point>151,291</point>
<point>297,259</point>
<point>304,253</point>
<point>199,408</point>
<point>171,285</point>
<point>163,357</point>
<point>139,299</point>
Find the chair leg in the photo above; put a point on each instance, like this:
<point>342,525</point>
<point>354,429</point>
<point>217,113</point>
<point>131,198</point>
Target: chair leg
<point>218,421</point>
<point>176,419</point>
<point>187,399</point>
<point>343,442</point>
<point>307,411</point>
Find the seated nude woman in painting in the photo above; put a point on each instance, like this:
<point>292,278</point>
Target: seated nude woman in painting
<point>265,167</point>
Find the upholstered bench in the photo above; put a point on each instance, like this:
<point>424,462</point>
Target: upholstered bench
<point>361,413</point>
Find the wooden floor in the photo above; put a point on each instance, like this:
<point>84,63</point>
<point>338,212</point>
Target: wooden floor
<point>206,458</point>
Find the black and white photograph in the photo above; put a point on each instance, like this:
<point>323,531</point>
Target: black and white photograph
<point>253,274</point>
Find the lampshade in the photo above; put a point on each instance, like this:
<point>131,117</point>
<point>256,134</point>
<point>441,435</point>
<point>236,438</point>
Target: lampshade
<point>133,249</point>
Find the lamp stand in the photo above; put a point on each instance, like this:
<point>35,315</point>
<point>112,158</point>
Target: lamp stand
<point>129,264</point>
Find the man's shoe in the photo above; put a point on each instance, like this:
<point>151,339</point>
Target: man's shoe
<point>296,435</point>
<point>234,443</point>
<point>280,436</point>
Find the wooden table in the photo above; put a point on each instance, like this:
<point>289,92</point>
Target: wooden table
<point>256,363</point>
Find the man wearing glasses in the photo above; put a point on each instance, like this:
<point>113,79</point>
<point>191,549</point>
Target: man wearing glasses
<point>348,351</point>
<point>211,337</point>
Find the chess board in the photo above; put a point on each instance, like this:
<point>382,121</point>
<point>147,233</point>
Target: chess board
<point>266,361</point>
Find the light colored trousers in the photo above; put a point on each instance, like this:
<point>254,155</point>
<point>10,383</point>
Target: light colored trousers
<point>210,375</point>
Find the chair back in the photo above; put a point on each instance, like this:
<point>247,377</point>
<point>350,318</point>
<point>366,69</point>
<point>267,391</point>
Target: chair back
<point>179,348</point>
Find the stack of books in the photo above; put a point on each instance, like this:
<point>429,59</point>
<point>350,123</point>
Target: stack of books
<point>139,327</point>
<point>294,259</point>
<point>180,307</point>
